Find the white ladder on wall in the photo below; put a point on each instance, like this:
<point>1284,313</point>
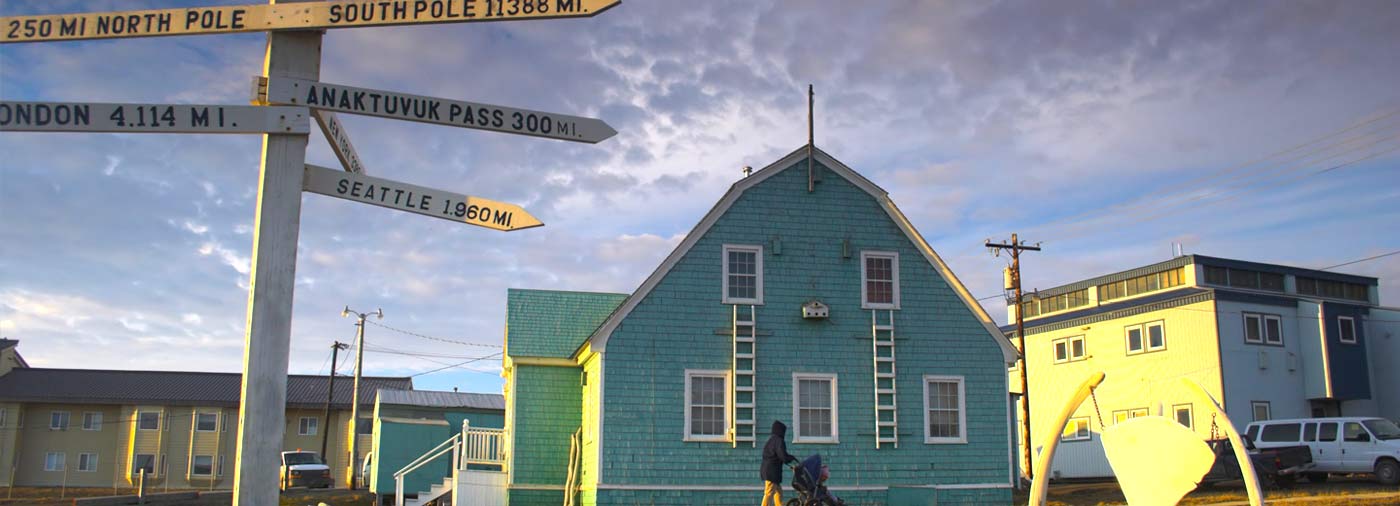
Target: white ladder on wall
<point>743,328</point>
<point>886,416</point>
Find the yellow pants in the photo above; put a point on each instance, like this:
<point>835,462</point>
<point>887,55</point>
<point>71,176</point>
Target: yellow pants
<point>773,491</point>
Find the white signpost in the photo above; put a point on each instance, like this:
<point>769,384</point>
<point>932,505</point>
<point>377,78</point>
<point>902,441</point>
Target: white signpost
<point>293,16</point>
<point>417,199</point>
<point>150,118</point>
<point>440,111</point>
<point>291,71</point>
<point>340,141</point>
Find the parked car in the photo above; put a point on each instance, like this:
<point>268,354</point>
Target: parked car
<point>1338,445</point>
<point>304,469</point>
<point>1277,466</point>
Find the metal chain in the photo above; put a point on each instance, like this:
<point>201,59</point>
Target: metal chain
<point>1093,393</point>
<point>1212,427</point>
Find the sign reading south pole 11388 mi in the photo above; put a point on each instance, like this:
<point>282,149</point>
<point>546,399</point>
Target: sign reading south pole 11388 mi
<point>417,199</point>
<point>290,16</point>
<point>440,111</point>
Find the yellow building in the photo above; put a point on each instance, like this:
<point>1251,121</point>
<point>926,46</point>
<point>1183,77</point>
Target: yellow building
<point>96,428</point>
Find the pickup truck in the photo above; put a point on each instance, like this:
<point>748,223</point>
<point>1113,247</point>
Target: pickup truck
<point>1277,467</point>
<point>304,469</point>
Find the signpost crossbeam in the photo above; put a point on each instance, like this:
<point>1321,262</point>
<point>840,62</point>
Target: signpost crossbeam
<point>417,199</point>
<point>151,118</point>
<point>291,16</point>
<point>339,141</point>
<point>438,111</point>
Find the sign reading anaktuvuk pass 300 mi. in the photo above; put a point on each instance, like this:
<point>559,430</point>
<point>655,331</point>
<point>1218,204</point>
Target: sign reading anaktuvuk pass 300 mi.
<point>292,16</point>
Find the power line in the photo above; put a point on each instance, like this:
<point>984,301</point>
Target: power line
<point>378,349</point>
<point>459,364</point>
<point>453,341</point>
<point>1367,259</point>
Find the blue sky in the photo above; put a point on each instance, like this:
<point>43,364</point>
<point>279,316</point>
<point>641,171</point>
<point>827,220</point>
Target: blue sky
<point>1107,131</point>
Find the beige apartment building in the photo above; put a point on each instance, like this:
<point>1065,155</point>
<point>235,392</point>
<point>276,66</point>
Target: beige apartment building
<point>100,428</point>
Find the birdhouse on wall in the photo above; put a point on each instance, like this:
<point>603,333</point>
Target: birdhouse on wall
<point>815,309</point>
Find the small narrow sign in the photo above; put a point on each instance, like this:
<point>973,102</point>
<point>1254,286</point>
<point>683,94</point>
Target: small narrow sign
<point>151,118</point>
<point>288,16</point>
<point>417,199</point>
<point>439,111</point>
<point>339,141</point>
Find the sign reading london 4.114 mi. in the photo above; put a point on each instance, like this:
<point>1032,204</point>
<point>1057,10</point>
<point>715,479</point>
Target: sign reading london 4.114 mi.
<point>290,16</point>
<point>151,118</point>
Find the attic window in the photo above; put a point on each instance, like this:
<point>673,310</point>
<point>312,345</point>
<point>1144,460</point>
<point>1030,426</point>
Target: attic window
<point>743,274</point>
<point>879,280</point>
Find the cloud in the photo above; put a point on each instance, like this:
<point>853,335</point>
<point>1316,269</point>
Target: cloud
<point>229,257</point>
<point>191,319</point>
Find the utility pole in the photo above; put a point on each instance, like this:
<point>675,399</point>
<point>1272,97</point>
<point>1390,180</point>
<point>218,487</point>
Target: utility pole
<point>1016,247</point>
<point>330,394</point>
<point>355,398</point>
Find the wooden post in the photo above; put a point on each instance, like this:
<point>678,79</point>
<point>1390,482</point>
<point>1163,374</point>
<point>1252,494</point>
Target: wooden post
<point>141,487</point>
<point>267,341</point>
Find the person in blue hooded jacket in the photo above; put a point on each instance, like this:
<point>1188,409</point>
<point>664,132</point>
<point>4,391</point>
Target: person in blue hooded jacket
<point>771,470</point>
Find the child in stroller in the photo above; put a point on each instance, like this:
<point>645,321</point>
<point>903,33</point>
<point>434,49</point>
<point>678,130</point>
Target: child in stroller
<point>809,480</point>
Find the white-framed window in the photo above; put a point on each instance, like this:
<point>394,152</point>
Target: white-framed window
<point>879,280</point>
<point>58,420</point>
<point>307,426</point>
<point>707,401</point>
<point>1263,329</point>
<point>206,422</point>
<point>1261,410</point>
<point>945,410</point>
<point>1076,430</point>
<point>87,462</point>
<point>1145,337</point>
<point>55,461</point>
<point>1124,415</point>
<point>814,408</point>
<point>143,461</point>
<point>92,420</point>
<point>148,420</point>
<point>743,274</point>
<point>1183,415</point>
<point>202,465</point>
<point>1069,349</point>
<point>1346,329</point>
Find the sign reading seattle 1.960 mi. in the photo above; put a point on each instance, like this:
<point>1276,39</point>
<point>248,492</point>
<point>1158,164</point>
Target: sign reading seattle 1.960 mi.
<point>417,199</point>
<point>291,16</point>
<point>440,111</point>
<point>151,118</point>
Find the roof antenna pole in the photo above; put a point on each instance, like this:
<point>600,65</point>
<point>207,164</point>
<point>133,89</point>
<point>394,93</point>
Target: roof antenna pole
<point>810,100</point>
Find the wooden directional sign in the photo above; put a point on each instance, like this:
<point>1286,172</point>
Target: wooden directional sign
<point>151,118</point>
<point>290,16</point>
<point>340,141</point>
<point>440,111</point>
<point>417,199</point>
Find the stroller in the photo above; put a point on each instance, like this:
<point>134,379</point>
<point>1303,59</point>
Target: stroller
<point>809,480</point>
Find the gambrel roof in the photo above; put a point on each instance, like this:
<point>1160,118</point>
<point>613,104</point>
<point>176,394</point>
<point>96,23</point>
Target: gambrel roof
<point>599,337</point>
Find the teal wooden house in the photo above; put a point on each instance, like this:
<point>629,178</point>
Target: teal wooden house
<point>808,299</point>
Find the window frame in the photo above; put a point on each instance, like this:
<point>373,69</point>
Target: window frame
<point>136,470</point>
<point>961,438</point>
<point>835,437</point>
<point>728,407</point>
<point>308,429</point>
<point>66,416</point>
<point>1147,335</point>
<point>1129,414</point>
<point>757,250</point>
<point>1254,411</point>
<point>140,422</point>
<point>1142,339</point>
<point>198,415</point>
<point>90,459</point>
<point>1068,343</point>
<point>58,464</point>
<point>1341,334</point>
<point>95,417</point>
<point>1190,414</point>
<point>1257,326</point>
<point>865,256</point>
<point>194,462</point>
<point>1073,422</point>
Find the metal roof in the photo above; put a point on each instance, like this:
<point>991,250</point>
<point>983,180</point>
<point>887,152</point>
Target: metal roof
<point>1204,260</point>
<point>87,386</point>
<point>435,399</point>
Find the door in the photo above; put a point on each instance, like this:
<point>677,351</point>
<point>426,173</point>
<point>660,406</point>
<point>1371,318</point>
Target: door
<point>1327,450</point>
<point>1356,448</point>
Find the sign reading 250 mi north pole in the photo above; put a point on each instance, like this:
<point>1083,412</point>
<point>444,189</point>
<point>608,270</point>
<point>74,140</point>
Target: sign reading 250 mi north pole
<point>291,16</point>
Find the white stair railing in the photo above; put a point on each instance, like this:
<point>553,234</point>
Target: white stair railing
<point>482,446</point>
<point>452,444</point>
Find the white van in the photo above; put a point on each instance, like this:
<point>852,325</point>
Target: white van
<point>1339,445</point>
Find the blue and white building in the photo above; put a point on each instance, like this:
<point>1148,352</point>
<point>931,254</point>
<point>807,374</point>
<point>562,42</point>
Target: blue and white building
<point>1267,341</point>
